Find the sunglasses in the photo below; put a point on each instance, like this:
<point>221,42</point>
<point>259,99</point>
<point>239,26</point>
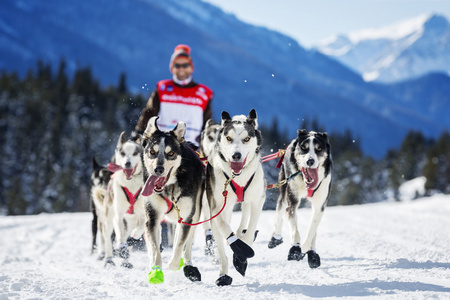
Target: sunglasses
<point>185,66</point>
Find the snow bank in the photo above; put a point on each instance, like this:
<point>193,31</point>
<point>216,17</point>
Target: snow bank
<point>412,189</point>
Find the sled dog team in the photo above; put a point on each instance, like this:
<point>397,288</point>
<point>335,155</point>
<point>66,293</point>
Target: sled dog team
<point>159,177</point>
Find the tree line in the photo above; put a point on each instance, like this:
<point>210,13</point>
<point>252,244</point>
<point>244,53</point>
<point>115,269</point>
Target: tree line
<point>51,127</point>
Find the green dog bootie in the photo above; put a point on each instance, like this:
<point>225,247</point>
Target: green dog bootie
<point>156,276</point>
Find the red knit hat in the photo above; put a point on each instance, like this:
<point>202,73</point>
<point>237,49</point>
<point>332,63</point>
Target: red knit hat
<point>181,51</point>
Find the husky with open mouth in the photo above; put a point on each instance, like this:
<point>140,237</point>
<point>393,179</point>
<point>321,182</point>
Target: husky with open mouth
<point>174,184</point>
<point>307,167</point>
<point>127,212</point>
<point>234,174</point>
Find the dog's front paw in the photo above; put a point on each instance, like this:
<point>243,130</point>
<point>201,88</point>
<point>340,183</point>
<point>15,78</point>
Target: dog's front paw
<point>275,242</point>
<point>137,244</point>
<point>126,264</point>
<point>192,273</point>
<point>295,253</point>
<point>124,252</point>
<point>241,249</point>
<point>240,264</point>
<point>224,280</point>
<point>313,259</point>
<point>156,276</point>
<point>109,262</point>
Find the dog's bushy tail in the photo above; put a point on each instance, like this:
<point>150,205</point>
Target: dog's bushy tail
<point>98,195</point>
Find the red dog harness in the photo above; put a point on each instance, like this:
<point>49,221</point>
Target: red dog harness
<point>237,189</point>
<point>169,205</point>
<point>131,198</point>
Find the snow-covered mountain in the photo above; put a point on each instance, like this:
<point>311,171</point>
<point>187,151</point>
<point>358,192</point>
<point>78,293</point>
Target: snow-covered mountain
<point>246,66</point>
<point>405,50</point>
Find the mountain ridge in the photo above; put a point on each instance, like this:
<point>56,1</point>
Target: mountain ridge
<point>406,50</point>
<point>246,66</point>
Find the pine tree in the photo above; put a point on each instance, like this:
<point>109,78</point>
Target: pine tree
<point>411,157</point>
<point>437,167</point>
<point>122,86</point>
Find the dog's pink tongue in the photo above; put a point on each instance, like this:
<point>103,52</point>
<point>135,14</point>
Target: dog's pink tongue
<point>128,173</point>
<point>237,166</point>
<point>114,168</point>
<point>149,186</point>
<point>311,177</point>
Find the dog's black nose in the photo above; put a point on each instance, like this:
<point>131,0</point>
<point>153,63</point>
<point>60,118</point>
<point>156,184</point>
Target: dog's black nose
<point>159,170</point>
<point>127,164</point>
<point>237,156</point>
<point>310,162</point>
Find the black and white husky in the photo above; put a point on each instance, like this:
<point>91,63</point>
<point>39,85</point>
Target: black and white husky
<point>235,163</point>
<point>307,167</point>
<point>173,189</point>
<point>127,215</point>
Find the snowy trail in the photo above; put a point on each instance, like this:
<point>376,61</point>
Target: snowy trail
<point>383,250</point>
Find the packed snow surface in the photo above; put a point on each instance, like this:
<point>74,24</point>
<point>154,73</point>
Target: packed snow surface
<point>390,250</point>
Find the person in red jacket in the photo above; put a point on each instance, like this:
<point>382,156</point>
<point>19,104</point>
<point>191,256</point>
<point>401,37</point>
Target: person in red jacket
<point>179,99</point>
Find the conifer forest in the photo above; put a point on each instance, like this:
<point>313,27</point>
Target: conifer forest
<point>53,124</point>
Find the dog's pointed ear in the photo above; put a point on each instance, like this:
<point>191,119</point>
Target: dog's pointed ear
<point>252,118</point>
<point>209,123</point>
<point>95,164</point>
<point>151,127</point>
<point>122,139</point>
<point>179,131</point>
<point>226,118</point>
<point>324,135</point>
<point>301,133</point>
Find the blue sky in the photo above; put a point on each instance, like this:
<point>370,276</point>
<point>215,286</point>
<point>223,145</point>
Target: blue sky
<point>310,21</point>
